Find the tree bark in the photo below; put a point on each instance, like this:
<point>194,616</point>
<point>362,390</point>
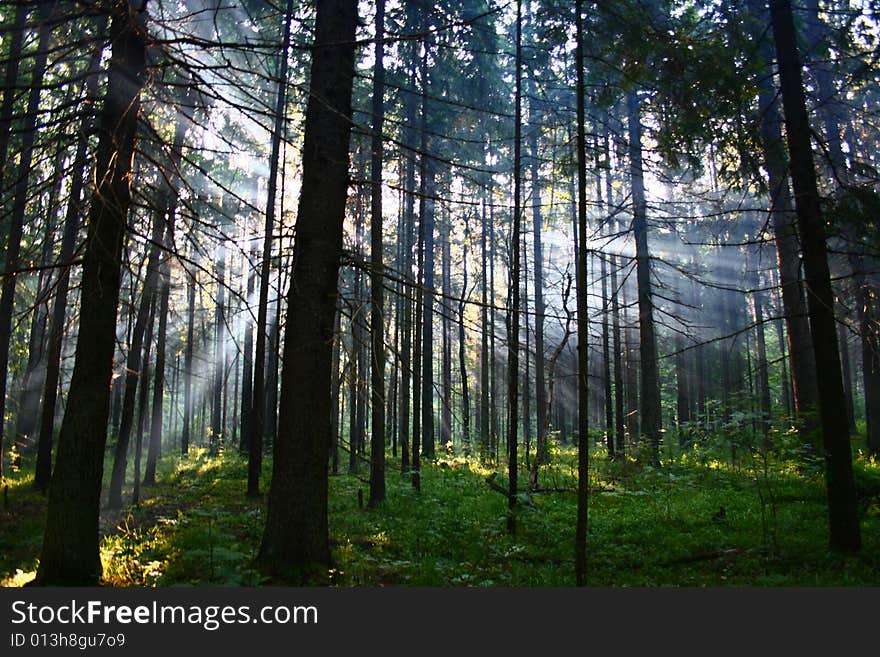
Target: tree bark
<point>43,471</point>
<point>295,545</point>
<point>650,384</point>
<point>70,553</point>
<point>513,310</point>
<point>257,412</point>
<point>844,532</point>
<point>377,271</point>
<point>583,328</point>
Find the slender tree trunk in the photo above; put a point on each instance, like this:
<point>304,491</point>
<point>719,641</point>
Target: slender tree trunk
<point>257,419</point>
<point>650,384</point>
<point>216,429</point>
<point>154,449</point>
<point>446,325</point>
<point>843,518</point>
<point>20,189</point>
<point>143,401</point>
<point>336,387</point>
<point>247,383</point>
<point>783,221</point>
<point>485,332</point>
<point>377,324</point>
<point>761,370</point>
<point>427,346</point>
<point>296,542</point>
<point>583,329</point>
<point>13,61</point>
<point>57,323</point>
<point>70,553</point>
<point>188,364</point>
<point>462,349</point>
<point>514,308</point>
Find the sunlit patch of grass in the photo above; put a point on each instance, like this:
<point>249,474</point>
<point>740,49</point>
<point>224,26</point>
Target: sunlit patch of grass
<point>697,521</point>
<point>18,579</point>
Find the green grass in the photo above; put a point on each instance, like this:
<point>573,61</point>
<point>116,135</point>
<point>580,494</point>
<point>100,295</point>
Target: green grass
<point>647,527</point>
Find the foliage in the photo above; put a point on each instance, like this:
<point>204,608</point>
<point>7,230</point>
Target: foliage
<point>700,520</point>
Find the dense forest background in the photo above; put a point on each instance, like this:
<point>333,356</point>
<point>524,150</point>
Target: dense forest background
<point>527,292</point>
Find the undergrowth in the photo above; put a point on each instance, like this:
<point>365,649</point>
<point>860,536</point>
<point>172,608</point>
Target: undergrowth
<point>699,520</point>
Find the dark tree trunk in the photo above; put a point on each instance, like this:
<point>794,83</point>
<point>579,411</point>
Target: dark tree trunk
<point>296,542</point>
<point>20,190</point>
<point>485,332</point>
<point>154,449</point>
<point>133,367</point>
<point>446,351</point>
<point>761,370</point>
<point>427,346</point>
<point>70,553</point>
<point>783,220</point>
<point>143,402</point>
<point>188,364</point>
<point>514,308</point>
<point>247,382</point>
<point>13,61</point>
<point>257,415</point>
<point>650,384</point>
<point>843,518</point>
<point>583,328</point>
<point>866,296</point>
<point>377,324</point>
<point>843,340</point>
<point>43,471</point>
<point>216,429</point>
<point>336,387</point>
<point>462,350</point>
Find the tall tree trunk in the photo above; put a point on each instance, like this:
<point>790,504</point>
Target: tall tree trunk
<point>43,471</point>
<point>761,371</point>
<point>188,364</point>
<point>446,325</point>
<point>336,387</point>
<point>377,272</point>
<point>514,308</point>
<point>133,367</point>
<point>485,332</point>
<point>20,190</point>
<point>216,430</point>
<point>583,328</point>
<point>257,419</point>
<point>143,401</point>
<point>247,382</point>
<point>783,221</point>
<point>296,542</point>
<point>843,518</point>
<point>70,552</point>
<point>843,340</point>
<point>13,62</point>
<point>462,348</point>
<point>650,384</point>
<point>617,347</point>
<point>154,449</point>
<point>427,307</point>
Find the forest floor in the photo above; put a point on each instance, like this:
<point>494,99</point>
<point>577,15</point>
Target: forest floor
<point>694,522</point>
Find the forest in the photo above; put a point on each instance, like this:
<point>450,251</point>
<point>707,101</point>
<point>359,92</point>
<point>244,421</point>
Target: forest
<point>404,293</point>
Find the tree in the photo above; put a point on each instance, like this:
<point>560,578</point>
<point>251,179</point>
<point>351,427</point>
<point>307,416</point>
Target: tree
<point>257,399</point>
<point>514,308</point>
<point>377,327</point>
<point>295,545</point>
<point>70,543</point>
<point>843,520</point>
<point>583,328</point>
